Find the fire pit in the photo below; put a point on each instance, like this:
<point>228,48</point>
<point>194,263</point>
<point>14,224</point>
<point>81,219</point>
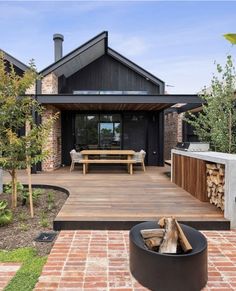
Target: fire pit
<point>167,272</point>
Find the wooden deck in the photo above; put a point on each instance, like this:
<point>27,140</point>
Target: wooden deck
<point>112,199</point>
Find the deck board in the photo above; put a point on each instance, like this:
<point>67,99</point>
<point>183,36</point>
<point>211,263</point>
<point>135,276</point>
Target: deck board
<point>106,195</point>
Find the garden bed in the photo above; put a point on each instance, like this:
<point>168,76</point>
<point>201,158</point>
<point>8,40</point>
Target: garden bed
<point>24,229</point>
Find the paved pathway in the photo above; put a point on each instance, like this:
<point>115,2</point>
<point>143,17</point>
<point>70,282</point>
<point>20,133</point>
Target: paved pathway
<point>98,261</point>
<point>7,272</point>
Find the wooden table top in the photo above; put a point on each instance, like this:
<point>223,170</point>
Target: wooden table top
<point>107,152</point>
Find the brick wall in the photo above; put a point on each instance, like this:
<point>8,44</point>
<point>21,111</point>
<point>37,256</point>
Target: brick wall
<point>173,132</point>
<point>53,144</point>
<point>50,84</point>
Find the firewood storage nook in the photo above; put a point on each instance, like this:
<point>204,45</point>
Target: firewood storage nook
<point>208,176</point>
<point>169,272</point>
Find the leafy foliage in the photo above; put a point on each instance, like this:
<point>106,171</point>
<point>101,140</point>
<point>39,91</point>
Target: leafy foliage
<point>216,123</point>
<point>7,188</point>
<point>50,200</point>
<point>20,151</point>
<point>44,222</point>
<point>231,37</point>
<point>5,214</point>
<point>36,193</point>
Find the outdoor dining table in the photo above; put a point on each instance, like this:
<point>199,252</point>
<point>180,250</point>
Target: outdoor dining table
<point>125,153</point>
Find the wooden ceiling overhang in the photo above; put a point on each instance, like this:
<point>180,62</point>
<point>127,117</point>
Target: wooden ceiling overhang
<point>116,102</point>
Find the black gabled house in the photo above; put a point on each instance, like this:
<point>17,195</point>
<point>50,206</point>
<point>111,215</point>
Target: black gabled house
<point>105,102</point>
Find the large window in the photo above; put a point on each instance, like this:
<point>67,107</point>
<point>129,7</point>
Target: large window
<point>97,131</point>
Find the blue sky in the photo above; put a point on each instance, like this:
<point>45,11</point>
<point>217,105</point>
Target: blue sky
<point>176,41</point>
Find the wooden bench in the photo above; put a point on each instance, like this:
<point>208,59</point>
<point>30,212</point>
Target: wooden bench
<point>129,162</point>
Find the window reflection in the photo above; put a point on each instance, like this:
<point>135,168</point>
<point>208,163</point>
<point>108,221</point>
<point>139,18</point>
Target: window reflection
<point>97,131</point>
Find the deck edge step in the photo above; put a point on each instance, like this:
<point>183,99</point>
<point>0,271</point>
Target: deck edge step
<point>127,225</point>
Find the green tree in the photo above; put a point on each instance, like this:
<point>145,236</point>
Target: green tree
<point>20,151</point>
<point>231,37</point>
<point>216,123</point>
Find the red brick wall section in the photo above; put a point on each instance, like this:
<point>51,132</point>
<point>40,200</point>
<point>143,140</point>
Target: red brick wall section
<point>173,132</point>
<point>53,144</point>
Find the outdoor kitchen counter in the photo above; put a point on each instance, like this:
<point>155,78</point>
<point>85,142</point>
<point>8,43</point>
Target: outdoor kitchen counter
<point>196,176</point>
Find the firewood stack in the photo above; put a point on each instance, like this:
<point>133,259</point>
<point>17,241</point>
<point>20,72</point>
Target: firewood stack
<point>215,184</point>
<point>170,238</point>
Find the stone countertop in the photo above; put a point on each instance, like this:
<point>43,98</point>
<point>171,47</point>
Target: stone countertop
<point>215,157</point>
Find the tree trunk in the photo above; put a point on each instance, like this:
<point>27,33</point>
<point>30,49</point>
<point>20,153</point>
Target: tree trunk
<point>30,188</point>
<point>14,188</point>
<point>230,131</point>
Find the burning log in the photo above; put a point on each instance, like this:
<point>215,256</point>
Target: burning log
<point>168,238</point>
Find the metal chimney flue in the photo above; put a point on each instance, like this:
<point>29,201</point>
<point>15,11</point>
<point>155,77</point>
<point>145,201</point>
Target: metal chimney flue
<point>58,49</point>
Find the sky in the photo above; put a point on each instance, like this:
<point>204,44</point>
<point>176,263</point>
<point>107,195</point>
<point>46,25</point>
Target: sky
<point>177,41</point>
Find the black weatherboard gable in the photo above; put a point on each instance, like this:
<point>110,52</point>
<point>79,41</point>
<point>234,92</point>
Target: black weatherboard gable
<point>136,68</point>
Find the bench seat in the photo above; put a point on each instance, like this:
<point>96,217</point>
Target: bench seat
<point>107,161</point>
<point>85,163</point>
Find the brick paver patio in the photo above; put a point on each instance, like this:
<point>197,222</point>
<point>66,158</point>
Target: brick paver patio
<point>7,272</point>
<point>98,260</point>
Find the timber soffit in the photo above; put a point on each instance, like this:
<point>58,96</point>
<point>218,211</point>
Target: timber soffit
<point>14,61</point>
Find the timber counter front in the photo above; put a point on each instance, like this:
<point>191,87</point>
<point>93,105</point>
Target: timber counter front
<point>189,171</point>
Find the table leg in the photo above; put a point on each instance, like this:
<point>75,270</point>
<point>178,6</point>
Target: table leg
<point>128,165</point>
<point>131,169</point>
<point>84,168</point>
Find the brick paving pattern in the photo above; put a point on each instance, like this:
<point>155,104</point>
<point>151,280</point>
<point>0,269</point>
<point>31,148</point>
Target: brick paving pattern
<point>98,261</point>
<point>7,272</point>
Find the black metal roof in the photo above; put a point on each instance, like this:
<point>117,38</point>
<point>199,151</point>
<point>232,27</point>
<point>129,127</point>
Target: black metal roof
<point>147,99</point>
<point>97,46</point>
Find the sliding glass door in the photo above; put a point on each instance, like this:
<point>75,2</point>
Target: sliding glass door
<point>97,131</point>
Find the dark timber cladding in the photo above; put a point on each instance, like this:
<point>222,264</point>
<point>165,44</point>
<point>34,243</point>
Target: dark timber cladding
<point>139,130</point>
<point>106,73</point>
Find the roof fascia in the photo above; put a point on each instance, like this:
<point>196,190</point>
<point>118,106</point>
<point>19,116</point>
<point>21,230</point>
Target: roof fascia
<point>115,99</point>
<point>188,107</point>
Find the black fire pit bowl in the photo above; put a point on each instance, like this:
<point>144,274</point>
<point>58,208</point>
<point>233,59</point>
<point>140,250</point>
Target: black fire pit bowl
<point>169,272</point>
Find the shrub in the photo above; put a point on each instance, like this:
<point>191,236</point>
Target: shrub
<point>44,220</point>
<point>50,200</point>
<point>8,188</point>
<point>35,195</point>
<point>6,215</point>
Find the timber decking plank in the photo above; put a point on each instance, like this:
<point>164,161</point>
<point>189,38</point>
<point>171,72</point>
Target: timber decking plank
<point>117,197</point>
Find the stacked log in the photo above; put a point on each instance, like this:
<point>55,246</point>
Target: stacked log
<point>168,239</point>
<point>215,184</point>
